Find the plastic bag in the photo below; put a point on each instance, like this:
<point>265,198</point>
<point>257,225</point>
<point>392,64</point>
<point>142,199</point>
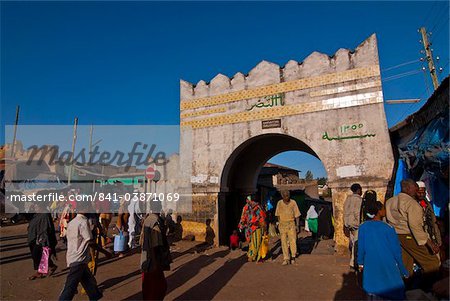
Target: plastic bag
<point>313,224</point>
<point>120,241</point>
<point>43,264</point>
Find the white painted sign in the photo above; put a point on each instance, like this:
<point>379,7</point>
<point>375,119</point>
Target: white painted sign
<point>199,179</point>
<point>349,171</point>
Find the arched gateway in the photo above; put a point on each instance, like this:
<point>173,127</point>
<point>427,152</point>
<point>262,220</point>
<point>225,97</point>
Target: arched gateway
<point>330,107</point>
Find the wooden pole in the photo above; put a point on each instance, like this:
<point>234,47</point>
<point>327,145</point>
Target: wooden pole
<point>74,140</point>
<point>15,131</point>
<point>90,138</point>
<point>429,57</point>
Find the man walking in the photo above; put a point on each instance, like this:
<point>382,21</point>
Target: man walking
<point>352,218</point>
<point>429,218</point>
<point>405,214</point>
<point>289,225</point>
<point>134,220</point>
<point>79,239</point>
<point>155,255</point>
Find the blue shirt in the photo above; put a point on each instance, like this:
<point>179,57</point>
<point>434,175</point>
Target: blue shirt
<point>380,253</point>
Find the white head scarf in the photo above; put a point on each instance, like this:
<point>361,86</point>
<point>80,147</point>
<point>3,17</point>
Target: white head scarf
<point>312,212</point>
<point>421,184</point>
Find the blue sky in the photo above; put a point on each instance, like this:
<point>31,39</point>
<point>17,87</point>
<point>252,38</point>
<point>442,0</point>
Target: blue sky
<point>120,62</point>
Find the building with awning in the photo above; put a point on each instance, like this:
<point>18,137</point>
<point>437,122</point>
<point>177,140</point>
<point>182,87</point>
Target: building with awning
<point>421,146</point>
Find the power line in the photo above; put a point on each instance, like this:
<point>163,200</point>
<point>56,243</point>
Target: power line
<point>439,17</point>
<point>438,30</point>
<point>429,12</point>
<point>401,65</point>
<point>407,111</point>
<point>404,115</point>
<point>427,91</point>
<point>429,59</point>
<point>443,68</point>
<point>427,87</point>
<point>397,76</point>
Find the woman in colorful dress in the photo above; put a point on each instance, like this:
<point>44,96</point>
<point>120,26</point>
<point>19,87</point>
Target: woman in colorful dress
<point>253,223</point>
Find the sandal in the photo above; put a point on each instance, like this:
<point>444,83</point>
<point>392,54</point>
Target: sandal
<point>52,270</point>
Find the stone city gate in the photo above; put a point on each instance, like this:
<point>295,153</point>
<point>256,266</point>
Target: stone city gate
<point>330,107</point>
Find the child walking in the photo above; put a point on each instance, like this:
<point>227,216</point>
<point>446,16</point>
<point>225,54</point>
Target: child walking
<point>380,256</point>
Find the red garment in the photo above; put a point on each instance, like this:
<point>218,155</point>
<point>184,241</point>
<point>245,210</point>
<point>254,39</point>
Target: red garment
<point>423,203</point>
<point>154,285</point>
<point>234,241</point>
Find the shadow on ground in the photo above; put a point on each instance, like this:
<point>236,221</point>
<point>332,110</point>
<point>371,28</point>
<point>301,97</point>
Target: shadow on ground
<point>350,289</point>
<point>209,287</point>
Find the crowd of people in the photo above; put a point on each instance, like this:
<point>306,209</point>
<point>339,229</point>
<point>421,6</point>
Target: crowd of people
<point>397,246</point>
<point>83,229</point>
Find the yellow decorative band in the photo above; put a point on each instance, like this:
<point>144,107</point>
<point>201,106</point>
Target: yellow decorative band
<point>203,112</point>
<point>304,83</point>
<point>274,112</point>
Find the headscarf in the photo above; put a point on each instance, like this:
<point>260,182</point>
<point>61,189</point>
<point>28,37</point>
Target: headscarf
<point>370,196</point>
<point>311,212</point>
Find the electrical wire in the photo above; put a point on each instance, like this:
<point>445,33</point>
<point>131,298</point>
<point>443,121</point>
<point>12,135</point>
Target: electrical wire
<point>438,30</point>
<point>442,70</point>
<point>426,84</point>
<point>397,76</point>
<point>401,65</point>
<point>429,12</point>
<point>407,111</point>
<point>439,18</point>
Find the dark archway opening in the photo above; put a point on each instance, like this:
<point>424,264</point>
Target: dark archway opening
<point>240,175</point>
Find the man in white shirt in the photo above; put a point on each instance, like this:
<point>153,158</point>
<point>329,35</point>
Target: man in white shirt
<point>135,211</point>
<point>79,239</point>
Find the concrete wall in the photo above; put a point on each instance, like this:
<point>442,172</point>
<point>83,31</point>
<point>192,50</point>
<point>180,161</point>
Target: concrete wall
<point>323,98</point>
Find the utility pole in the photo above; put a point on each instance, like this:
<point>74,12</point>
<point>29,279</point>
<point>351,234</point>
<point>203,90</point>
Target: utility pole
<point>15,131</point>
<point>90,138</point>
<point>429,57</point>
<point>74,140</point>
<point>90,150</point>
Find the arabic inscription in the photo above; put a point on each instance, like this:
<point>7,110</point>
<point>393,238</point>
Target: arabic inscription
<point>352,131</point>
<point>268,101</point>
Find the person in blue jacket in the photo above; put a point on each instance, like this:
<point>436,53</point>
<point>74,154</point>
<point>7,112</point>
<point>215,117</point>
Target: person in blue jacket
<point>380,256</point>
